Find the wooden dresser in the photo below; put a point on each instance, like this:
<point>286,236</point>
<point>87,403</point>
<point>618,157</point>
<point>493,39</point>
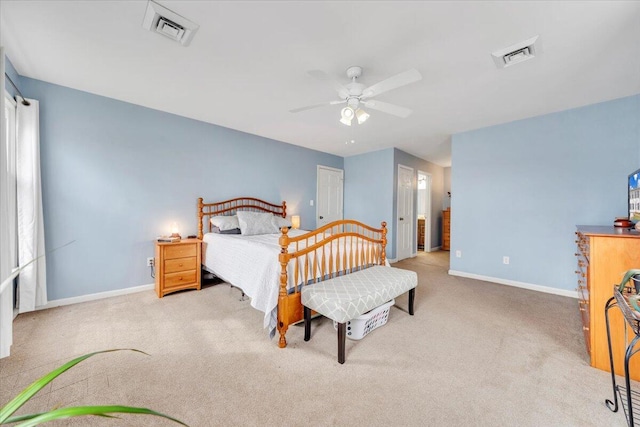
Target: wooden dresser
<point>177,266</point>
<point>421,234</point>
<point>446,228</point>
<point>604,255</point>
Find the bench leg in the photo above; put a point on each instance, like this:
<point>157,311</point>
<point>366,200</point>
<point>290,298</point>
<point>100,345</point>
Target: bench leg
<point>342,334</point>
<point>412,297</point>
<point>307,323</point>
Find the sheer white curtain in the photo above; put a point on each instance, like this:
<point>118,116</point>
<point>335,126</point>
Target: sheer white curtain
<point>33,282</point>
<point>6,294</point>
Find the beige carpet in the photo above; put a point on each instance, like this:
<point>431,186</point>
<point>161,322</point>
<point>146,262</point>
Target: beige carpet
<point>475,353</point>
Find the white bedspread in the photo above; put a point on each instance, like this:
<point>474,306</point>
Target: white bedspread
<point>250,263</point>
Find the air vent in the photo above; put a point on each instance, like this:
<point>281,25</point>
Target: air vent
<point>516,53</point>
<point>161,20</point>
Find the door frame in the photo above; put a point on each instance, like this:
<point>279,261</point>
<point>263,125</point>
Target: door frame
<point>318,167</point>
<point>427,210</point>
<point>413,223</point>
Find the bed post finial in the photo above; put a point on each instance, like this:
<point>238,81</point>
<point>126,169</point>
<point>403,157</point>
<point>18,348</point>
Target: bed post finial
<point>282,295</point>
<point>200,206</point>
<point>384,243</point>
<point>284,209</point>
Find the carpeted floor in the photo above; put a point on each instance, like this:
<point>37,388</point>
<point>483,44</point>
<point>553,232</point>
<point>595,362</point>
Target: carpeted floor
<point>475,354</point>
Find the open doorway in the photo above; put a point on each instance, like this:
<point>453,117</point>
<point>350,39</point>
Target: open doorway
<point>424,212</point>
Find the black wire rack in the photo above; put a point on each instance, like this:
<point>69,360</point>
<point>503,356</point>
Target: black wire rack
<point>627,396</point>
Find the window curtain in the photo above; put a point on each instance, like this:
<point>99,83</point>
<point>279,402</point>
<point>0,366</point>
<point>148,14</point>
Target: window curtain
<point>32,286</point>
<point>6,294</point>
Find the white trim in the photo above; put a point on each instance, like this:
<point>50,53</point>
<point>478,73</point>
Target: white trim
<point>530,286</point>
<point>93,297</point>
<point>436,248</point>
<point>392,260</point>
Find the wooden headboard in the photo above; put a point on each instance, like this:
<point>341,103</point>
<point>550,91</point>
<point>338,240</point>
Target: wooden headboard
<point>230,207</point>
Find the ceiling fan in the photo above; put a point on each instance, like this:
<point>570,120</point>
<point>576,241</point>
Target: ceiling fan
<point>356,95</point>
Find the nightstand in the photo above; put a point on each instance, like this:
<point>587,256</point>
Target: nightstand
<point>177,266</point>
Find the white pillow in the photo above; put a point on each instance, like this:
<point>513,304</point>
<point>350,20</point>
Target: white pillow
<point>224,223</point>
<point>252,223</point>
<point>280,222</point>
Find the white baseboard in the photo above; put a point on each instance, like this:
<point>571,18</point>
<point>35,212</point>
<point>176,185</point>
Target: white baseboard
<point>93,297</point>
<point>530,286</point>
<point>436,248</point>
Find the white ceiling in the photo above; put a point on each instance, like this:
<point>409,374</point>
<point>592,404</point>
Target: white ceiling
<point>247,64</point>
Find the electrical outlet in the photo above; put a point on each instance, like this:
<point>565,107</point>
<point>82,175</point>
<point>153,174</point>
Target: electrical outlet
<point>310,202</point>
<point>505,260</point>
<point>458,254</point>
<point>151,262</point>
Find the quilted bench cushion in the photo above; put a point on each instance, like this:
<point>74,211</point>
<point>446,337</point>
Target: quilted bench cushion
<point>346,297</point>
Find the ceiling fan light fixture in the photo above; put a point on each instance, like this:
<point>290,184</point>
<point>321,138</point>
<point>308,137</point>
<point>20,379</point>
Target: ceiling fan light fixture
<point>361,115</point>
<point>346,115</point>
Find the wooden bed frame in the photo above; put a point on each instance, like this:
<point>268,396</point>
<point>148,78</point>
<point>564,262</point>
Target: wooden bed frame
<point>317,258</point>
<point>336,259</point>
<point>230,207</point>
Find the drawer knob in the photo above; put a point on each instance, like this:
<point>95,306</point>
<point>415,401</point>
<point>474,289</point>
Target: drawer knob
<point>585,328</point>
<point>180,265</point>
<point>582,309</point>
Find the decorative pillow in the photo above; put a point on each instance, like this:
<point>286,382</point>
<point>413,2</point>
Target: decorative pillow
<point>280,222</point>
<point>252,223</point>
<point>224,223</point>
<point>218,231</point>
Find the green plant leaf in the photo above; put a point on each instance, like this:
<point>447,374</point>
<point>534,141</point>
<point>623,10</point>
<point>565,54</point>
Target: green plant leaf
<point>92,410</point>
<point>627,276</point>
<point>37,385</point>
<point>20,418</point>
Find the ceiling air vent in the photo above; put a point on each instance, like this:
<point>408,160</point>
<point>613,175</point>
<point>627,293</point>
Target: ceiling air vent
<point>516,53</point>
<point>161,20</point>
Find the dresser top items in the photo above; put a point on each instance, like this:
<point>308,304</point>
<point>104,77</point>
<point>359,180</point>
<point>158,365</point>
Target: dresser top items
<point>605,230</point>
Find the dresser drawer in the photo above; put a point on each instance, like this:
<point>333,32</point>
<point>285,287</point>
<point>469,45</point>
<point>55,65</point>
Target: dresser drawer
<point>180,251</point>
<point>180,264</point>
<point>173,280</point>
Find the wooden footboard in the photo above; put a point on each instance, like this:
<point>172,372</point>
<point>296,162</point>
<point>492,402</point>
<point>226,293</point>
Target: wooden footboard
<point>338,248</point>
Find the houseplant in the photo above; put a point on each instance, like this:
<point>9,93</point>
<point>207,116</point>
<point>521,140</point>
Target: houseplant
<point>12,406</point>
<point>23,397</point>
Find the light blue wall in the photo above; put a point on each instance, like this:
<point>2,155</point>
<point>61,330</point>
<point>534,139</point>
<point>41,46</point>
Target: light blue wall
<point>437,187</point>
<point>368,190</point>
<point>116,175</point>
<point>519,189</point>
<point>371,186</point>
<point>13,74</point>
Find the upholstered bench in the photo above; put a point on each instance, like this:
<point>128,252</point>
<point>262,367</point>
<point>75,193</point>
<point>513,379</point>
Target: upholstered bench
<point>346,297</point>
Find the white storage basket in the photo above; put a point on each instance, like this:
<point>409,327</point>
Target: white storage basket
<point>360,326</point>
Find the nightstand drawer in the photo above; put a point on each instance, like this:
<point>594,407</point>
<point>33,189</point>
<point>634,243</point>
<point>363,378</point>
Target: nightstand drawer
<point>172,280</point>
<point>180,264</point>
<point>180,251</point>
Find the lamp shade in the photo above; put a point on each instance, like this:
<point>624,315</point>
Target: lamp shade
<point>361,115</point>
<point>346,115</point>
<point>175,232</point>
<point>295,221</point>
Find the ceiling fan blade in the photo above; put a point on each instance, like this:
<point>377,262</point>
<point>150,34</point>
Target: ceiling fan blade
<point>385,107</point>
<point>310,107</point>
<point>339,87</point>
<point>393,82</point>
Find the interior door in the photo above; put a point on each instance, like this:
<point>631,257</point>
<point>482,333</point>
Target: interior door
<point>330,195</point>
<point>405,213</point>
<point>424,206</point>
